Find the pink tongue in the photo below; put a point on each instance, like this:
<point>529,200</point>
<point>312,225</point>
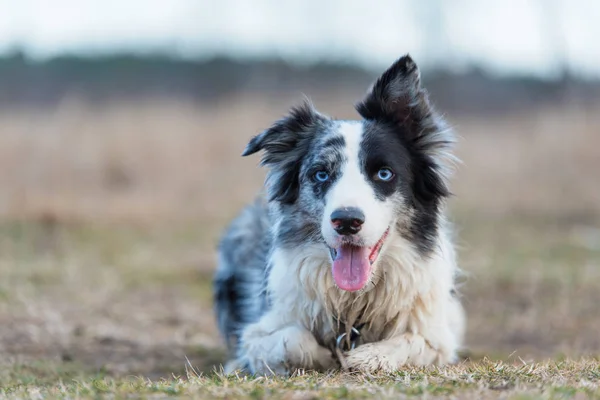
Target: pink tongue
<point>351,267</point>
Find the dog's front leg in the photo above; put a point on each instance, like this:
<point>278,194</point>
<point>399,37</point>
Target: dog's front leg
<point>391,354</point>
<point>272,346</point>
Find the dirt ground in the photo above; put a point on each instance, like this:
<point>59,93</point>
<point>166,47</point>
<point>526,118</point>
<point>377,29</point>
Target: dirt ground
<point>109,217</point>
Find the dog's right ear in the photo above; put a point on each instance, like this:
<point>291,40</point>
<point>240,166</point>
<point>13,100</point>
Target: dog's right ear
<point>285,144</point>
<point>285,135</point>
<point>255,144</point>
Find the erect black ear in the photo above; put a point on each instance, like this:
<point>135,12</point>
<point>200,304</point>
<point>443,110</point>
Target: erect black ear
<point>284,144</point>
<point>398,98</point>
<point>394,93</point>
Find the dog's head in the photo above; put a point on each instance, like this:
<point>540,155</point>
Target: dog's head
<point>351,185</point>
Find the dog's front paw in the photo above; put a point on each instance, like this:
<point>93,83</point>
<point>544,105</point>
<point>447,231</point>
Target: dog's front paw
<point>260,366</point>
<point>283,351</point>
<point>372,358</point>
<point>313,357</point>
<point>392,354</point>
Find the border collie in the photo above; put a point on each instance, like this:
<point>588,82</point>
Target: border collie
<point>348,260</point>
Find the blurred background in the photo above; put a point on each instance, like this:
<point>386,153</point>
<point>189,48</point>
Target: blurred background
<point>122,124</point>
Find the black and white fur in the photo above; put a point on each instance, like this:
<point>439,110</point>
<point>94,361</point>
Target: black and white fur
<point>276,302</point>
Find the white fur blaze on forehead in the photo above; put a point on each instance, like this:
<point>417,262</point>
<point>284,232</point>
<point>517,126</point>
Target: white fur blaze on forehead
<point>351,184</point>
<point>352,132</point>
<point>352,189</point>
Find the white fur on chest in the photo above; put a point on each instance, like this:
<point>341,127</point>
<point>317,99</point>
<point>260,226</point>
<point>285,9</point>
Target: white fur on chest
<point>407,291</point>
<point>410,315</point>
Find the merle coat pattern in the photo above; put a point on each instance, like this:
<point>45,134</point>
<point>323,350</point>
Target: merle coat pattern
<point>350,232</point>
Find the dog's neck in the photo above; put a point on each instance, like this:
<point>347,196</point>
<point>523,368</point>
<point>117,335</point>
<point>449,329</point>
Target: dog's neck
<point>390,290</point>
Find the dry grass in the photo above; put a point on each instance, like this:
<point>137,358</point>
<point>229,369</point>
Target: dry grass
<point>109,216</point>
<point>483,380</point>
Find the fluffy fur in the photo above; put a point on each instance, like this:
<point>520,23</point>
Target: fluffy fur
<point>277,302</point>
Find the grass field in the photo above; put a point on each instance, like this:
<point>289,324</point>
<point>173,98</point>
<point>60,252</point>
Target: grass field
<point>109,217</point>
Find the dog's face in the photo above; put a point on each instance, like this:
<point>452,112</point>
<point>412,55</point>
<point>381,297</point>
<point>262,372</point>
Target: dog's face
<point>351,185</point>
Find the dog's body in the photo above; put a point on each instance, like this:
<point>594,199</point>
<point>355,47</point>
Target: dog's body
<point>350,238</point>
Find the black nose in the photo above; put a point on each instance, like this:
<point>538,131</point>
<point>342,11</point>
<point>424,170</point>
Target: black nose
<point>347,221</point>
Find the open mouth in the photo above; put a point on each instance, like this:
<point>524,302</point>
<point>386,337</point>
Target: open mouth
<point>352,264</point>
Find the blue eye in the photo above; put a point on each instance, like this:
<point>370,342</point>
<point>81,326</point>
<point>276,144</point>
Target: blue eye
<point>321,176</point>
<point>385,174</point>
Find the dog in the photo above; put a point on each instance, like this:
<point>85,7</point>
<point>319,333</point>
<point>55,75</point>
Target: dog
<point>347,259</point>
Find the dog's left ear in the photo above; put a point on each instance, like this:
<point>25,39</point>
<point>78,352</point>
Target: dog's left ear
<point>395,93</point>
<point>397,97</point>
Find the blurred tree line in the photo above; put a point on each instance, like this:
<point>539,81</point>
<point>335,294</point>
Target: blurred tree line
<point>25,82</point>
